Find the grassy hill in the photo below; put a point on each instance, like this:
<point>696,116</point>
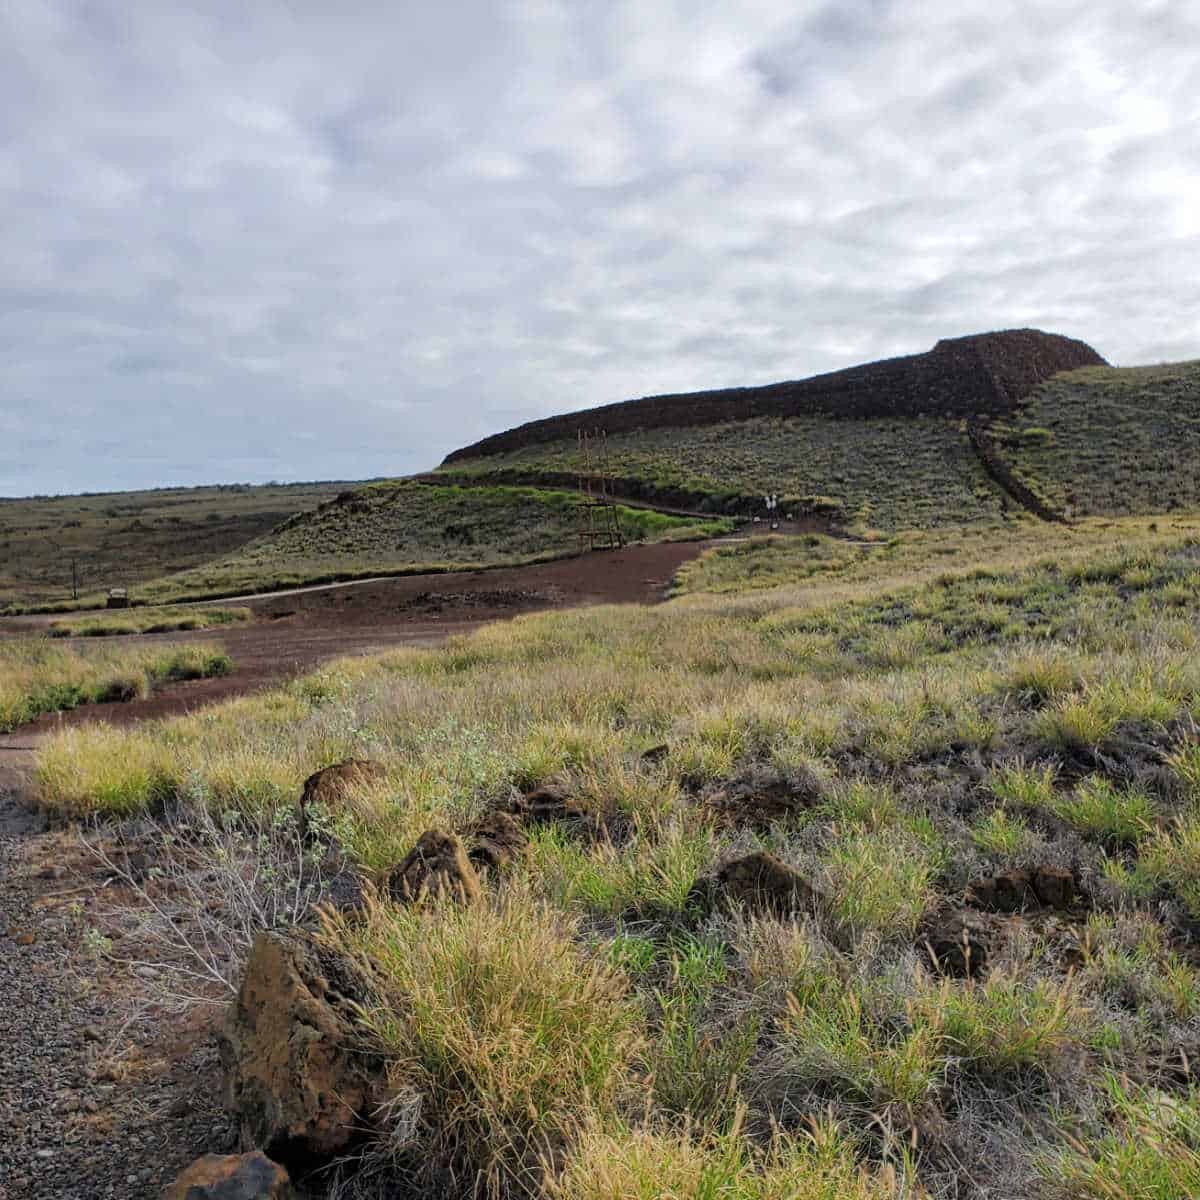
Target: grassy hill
<point>884,472</point>
<point>1106,440</point>
<point>1095,441</point>
<point>118,539</point>
<point>404,527</point>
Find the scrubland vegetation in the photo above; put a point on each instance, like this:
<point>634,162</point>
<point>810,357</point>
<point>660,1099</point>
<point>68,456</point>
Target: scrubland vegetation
<point>156,620</point>
<point>1109,440</point>
<point>37,676</point>
<point>118,539</point>
<point>884,473</point>
<point>405,528</point>
<point>895,723</point>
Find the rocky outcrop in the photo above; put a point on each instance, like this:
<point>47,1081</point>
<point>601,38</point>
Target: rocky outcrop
<point>756,883</point>
<point>984,373</point>
<point>437,867</point>
<point>959,943</point>
<point>232,1177</point>
<point>301,1077</point>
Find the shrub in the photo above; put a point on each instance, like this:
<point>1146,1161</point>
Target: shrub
<point>508,1032</point>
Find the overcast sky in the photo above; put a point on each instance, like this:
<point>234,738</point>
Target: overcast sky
<point>306,240</point>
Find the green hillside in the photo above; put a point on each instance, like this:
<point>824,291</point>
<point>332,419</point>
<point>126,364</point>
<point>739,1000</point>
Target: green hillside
<point>1096,441</point>
<point>888,473</point>
<point>1107,440</point>
<point>404,527</point>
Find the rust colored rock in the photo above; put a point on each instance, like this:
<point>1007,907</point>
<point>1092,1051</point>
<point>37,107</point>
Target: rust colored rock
<point>232,1177</point>
<point>1054,887</point>
<point>959,945</point>
<point>497,842</point>
<point>760,883</point>
<point>299,1073</point>
<point>1007,891</point>
<point>327,788</point>
<point>437,866</point>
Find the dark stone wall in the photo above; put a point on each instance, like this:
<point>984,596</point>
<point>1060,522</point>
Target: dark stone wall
<point>985,374</point>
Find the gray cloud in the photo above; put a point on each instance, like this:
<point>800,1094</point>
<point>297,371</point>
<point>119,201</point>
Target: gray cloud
<point>294,240</point>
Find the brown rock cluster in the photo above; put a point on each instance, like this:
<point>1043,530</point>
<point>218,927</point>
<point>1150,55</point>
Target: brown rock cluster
<point>297,1073</point>
<point>757,883</point>
<point>328,787</point>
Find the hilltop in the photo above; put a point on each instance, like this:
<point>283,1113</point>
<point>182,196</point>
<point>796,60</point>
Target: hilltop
<point>982,373</point>
<point>978,430</point>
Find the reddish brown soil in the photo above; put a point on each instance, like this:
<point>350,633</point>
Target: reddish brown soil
<point>296,631</point>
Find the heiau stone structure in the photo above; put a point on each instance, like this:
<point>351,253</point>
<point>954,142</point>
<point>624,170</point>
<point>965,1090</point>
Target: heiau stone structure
<point>984,374</point>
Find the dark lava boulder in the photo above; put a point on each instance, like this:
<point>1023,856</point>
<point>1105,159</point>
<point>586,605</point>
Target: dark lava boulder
<point>758,883</point>
<point>328,787</point>
<point>1011,891</point>
<point>496,842</point>
<point>438,867</point>
<point>960,944</point>
<point>301,1075</point>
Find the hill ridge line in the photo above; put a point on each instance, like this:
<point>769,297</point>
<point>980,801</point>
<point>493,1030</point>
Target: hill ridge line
<point>987,373</point>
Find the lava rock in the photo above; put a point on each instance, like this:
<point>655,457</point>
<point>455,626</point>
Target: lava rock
<point>232,1177</point>
<point>759,883</point>
<point>300,1076</point>
<point>960,944</point>
<point>328,787</point>
<point>1054,887</point>
<point>497,842</point>
<point>1007,891</point>
<point>437,866</point>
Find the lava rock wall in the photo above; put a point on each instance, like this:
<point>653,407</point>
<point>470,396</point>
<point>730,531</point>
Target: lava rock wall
<point>984,374</point>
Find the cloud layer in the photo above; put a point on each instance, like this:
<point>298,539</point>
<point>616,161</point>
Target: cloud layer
<point>299,240</point>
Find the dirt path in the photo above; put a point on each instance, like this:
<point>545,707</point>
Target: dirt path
<point>101,1094</point>
<point>296,631</point>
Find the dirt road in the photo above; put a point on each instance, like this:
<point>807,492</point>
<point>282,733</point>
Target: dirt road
<point>296,631</point>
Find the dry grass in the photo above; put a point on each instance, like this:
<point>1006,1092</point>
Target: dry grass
<point>587,1029</point>
<point>157,620</point>
<point>406,528</point>
<point>37,676</point>
<point>119,539</point>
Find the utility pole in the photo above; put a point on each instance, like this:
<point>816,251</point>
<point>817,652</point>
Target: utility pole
<point>74,578</point>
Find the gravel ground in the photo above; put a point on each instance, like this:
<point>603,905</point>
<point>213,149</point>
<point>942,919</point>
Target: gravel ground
<point>101,1095</point>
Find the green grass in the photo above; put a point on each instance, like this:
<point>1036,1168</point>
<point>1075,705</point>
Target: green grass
<point>885,473</point>
<point>1111,440</point>
<point>120,539</point>
<point>37,676</point>
<point>157,620</point>
<point>1097,441</point>
<point>405,528</point>
<point>590,1029</point>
